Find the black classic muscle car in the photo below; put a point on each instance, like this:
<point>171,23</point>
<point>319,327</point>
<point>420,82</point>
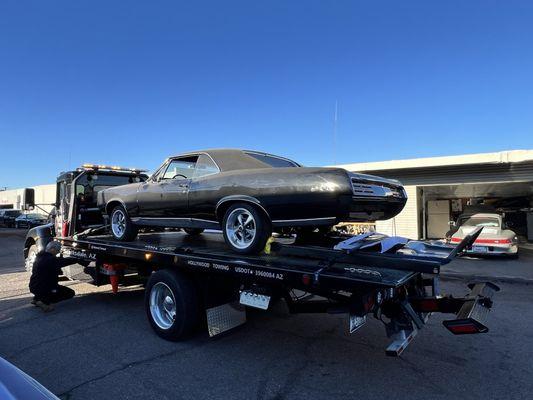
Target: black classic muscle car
<point>247,194</point>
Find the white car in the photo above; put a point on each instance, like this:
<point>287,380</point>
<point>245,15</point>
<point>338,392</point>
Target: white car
<point>494,239</point>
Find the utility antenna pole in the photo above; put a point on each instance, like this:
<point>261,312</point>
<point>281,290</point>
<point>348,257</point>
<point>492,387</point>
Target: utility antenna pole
<point>335,115</point>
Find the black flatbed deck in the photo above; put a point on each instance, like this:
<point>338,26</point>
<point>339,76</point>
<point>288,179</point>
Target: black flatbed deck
<point>207,252</point>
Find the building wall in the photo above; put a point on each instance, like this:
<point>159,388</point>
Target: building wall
<point>406,223</point>
<point>460,174</point>
<point>45,196</point>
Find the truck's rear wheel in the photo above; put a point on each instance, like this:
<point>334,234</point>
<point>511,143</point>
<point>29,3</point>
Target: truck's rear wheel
<point>172,304</point>
<point>121,226</point>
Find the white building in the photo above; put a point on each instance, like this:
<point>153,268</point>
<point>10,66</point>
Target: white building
<point>45,196</point>
<point>440,187</point>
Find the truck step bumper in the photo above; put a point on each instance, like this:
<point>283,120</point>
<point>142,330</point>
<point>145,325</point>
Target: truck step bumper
<point>472,316</point>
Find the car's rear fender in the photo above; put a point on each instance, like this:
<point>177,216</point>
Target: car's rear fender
<point>227,201</point>
<point>282,193</point>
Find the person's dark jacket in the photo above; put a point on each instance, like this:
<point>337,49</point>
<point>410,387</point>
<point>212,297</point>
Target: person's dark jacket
<point>46,271</point>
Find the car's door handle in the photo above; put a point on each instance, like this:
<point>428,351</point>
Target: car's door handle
<point>183,185</point>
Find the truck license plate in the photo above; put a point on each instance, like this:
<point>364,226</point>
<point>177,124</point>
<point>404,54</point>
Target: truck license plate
<point>479,249</point>
<point>256,300</point>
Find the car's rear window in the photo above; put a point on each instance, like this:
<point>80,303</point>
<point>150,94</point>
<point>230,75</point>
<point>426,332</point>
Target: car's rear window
<point>480,221</point>
<point>275,162</point>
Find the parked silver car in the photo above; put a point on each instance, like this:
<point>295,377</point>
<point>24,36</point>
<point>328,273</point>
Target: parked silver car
<point>495,238</point>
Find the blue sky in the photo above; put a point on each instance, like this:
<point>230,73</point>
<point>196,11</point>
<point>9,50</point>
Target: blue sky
<point>130,83</point>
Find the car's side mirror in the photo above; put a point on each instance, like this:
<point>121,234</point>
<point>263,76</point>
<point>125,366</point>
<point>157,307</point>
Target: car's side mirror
<point>28,199</point>
<point>451,223</point>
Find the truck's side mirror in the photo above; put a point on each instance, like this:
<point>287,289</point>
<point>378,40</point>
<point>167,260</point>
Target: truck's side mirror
<point>28,199</point>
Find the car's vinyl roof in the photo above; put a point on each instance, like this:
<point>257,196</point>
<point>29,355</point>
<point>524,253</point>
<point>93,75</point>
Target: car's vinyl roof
<point>234,159</point>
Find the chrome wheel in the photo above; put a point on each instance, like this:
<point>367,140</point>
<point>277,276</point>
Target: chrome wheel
<point>118,223</point>
<point>241,228</point>
<point>162,305</point>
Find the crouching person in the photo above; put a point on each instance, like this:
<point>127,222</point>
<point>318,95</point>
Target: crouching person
<point>44,281</point>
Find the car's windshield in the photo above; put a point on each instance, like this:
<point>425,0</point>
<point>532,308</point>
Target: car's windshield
<point>273,161</point>
<point>12,213</point>
<point>480,221</point>
<point>35,216</point>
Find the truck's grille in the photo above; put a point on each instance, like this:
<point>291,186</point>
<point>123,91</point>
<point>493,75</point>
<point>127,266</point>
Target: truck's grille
<point>374,189</point>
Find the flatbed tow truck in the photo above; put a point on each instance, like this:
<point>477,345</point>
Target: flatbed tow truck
<point>194,280</point>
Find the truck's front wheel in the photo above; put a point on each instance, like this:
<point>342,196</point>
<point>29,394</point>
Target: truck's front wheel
<point>172,304</point>
<point>30,258</point>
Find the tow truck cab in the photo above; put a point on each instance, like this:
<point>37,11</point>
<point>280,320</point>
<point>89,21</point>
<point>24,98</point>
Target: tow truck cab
<point>75,208</point>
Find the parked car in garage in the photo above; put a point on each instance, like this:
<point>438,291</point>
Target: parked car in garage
<point>30,220</point>
<point>7,217</point>
<point>247,194</point>
<point>495,239</point>
<point>17,385</point>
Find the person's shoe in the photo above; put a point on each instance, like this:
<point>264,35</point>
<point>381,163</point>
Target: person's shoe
<point>43,306</point>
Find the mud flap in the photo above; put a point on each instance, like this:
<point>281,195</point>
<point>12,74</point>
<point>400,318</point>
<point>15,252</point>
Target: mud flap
<point>225,317</point>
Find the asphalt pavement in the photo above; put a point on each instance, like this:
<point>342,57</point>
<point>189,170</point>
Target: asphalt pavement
<point>100,346</point>
<point>500,268</point>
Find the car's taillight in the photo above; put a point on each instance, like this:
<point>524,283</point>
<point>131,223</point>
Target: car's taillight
<point>486,241</point>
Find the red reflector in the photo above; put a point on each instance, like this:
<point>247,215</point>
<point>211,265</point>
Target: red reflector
<point>306,279</point>
<point>64,229</point>
<point>470,328</point>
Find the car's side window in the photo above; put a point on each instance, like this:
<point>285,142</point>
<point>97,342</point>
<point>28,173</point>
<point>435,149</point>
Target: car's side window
<point>205,166</point>
<point>180,168</point>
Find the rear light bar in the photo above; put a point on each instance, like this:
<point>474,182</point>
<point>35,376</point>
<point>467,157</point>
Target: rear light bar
<point>96,167</point>
<point>485,241</point>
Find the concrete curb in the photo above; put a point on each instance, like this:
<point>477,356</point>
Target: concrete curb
<point>473,277</point>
